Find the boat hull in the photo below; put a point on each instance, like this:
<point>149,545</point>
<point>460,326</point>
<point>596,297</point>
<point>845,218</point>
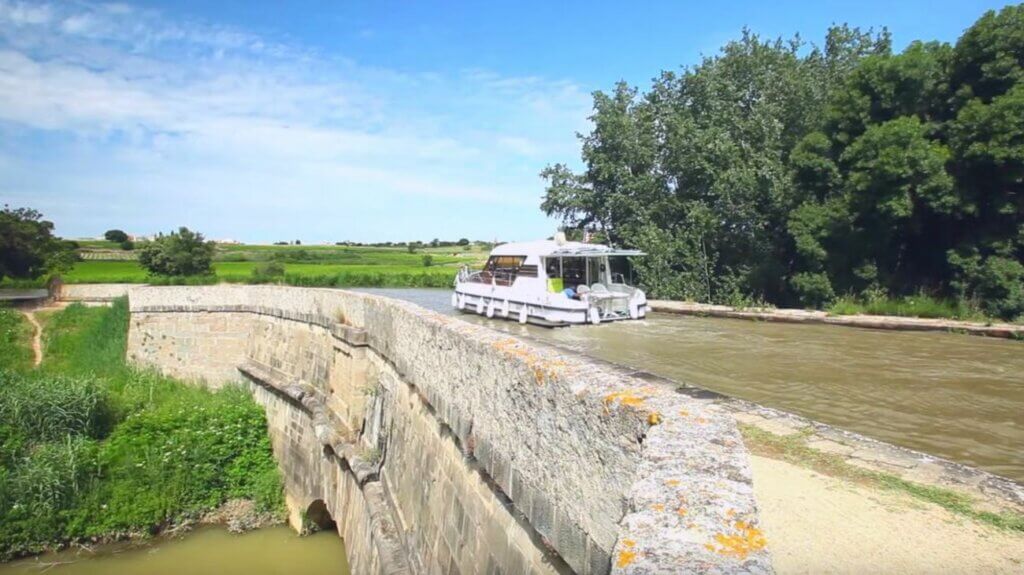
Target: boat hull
<point>496,304</point>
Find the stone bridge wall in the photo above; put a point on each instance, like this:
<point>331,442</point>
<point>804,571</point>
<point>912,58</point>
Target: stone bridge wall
<point>444,447</point>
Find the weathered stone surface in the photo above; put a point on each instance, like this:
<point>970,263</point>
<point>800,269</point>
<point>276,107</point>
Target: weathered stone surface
<point>492,448</point>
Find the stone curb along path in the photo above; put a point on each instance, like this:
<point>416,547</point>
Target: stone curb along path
<point>1002,330</point>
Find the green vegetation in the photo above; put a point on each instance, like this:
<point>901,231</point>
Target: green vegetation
<point>793,449</point>
<point>773,172</point>
<point>180,253</point>
<point>909,306</point>
<point>28,248</point>
<point>115,236</point>
<point>15,334</point>
<point>92,448</point>
<point>323,266</point>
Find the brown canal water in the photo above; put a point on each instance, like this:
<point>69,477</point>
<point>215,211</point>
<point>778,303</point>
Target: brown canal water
<point>955,396</point>
<point>205,551</point>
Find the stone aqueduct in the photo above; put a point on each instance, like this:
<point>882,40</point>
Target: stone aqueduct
<point>438,446</point>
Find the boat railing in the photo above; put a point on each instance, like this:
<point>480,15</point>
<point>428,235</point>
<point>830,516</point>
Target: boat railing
<point>499,278</point>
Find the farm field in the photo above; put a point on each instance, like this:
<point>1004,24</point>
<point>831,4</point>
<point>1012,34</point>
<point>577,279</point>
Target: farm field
<point>303,265</point>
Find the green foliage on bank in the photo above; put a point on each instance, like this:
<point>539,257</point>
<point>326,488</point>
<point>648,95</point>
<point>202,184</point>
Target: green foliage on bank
<point>297,274</point>
<point>15,336</point>
<point>795,175</point>
<point>94,448</point>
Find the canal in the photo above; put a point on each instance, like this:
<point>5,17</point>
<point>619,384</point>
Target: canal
<point>955,396</point>
<point>205,551</point>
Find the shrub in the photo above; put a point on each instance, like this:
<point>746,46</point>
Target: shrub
<point>116,236</point>
<point>127,245</point>
<point>813,289</point>
<point>428,260</point>
<point>267,272</point>
<point>181,253</point>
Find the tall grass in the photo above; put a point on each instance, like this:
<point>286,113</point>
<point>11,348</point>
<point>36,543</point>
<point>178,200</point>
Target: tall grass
<point>15,340</point>
<point>910,306</point>
<point>91,447</point>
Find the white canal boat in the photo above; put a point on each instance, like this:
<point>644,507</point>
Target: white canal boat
<point>552,283</point>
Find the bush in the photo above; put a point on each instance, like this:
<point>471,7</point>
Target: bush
<point>428,260</point>
<point>181,253</point>
<point>268,272</point>
<point>127,245</point>
<point>116,236</point>
<point>813,289</point>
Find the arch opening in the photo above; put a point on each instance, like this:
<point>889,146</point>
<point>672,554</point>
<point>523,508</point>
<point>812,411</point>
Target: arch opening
<point>318,518</point>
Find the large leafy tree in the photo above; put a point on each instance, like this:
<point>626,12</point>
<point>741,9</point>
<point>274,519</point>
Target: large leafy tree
<point>180,253</point>
<point>774,172</point>
<point>696,171</point>
<point>28,248</point>
<point>916,179</point>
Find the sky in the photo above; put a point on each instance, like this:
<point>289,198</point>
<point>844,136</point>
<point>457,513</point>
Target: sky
<point>361,121</point>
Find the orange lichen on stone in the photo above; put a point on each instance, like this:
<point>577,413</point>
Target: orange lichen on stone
<point>684,413</point>
<point>745,540</point>
<point>625,558</point>
<point>701,420</point>
<point>654,418</point>
<point>543,369</point>
<point>659,507</point>
<point>681,511</point>
<point>627,397</point>
<point>672,482</point>
<point>629,542</point>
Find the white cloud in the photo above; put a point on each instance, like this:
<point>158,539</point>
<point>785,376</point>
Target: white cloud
<point>138,110</point>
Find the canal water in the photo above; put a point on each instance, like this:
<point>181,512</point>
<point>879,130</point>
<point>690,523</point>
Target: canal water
<point>956,396</point>
<point>206,551</point>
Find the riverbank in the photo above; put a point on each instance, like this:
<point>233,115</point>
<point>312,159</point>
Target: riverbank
<point>900,323</point>
<point>96,451</point>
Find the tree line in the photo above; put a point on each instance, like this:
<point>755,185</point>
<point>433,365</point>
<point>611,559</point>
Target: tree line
<point>792,174</point>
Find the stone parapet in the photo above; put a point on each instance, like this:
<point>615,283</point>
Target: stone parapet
<point>609,471</point>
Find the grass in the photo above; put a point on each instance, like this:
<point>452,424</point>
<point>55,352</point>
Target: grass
<point>793,449</point>
<point>15,340</point>
<point>911,306</point>
<point>91,448</point>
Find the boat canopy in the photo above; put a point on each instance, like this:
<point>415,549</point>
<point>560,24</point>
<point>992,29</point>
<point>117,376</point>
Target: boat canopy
<point>551,248</point>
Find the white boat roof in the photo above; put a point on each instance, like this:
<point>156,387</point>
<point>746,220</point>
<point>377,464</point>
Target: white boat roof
<point>549,248</point>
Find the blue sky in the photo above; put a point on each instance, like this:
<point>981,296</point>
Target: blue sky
<point>328,121</point>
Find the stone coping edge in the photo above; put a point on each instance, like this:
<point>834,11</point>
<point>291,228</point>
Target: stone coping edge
<point>897,323</point>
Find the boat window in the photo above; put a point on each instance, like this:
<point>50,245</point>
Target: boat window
<point>502,270</point>
<point>574,272</point>
<point>621,270</point>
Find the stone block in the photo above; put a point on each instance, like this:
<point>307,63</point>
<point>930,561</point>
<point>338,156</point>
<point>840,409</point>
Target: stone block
<point>571,543</point>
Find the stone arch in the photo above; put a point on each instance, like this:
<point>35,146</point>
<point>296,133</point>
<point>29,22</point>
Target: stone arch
<point>318,518</point>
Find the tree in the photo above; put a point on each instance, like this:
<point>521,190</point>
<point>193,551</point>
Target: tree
<point>28,248</point>
<point>463,242</point>
<point>116,236</point>
<point>180,253</point>
<point>696,171</point>
<point>773,172</point>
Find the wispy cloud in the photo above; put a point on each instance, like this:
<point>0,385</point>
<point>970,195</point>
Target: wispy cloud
<point>153,122</point>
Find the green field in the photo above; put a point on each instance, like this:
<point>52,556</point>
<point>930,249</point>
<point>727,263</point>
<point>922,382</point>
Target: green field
<point>304,265</point>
